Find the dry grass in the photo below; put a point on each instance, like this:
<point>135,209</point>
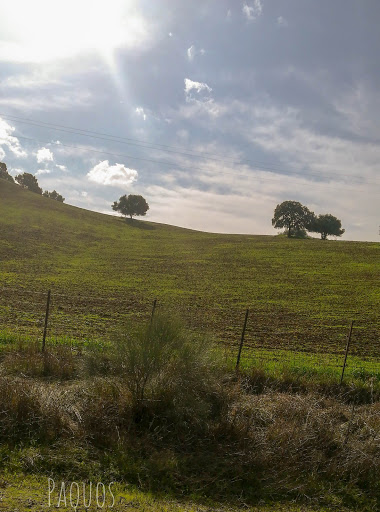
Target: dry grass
<point>170,417</point>
<point>26,359</point>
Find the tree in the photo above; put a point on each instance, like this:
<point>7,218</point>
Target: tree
<point>4,175</point>
<point>293,216</point>
<point>54,195</point>
<point>29,181</point>
<point>131,205</point>
<point>327,225</point>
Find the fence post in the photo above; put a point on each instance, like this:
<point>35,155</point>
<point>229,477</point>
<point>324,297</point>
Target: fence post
<point>153,310</point>
<point>46,321</point>
<point>242,339</point>
<point>346,354</point>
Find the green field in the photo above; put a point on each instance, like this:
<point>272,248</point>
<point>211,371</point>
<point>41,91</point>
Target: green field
<point>280,435</point>
<point>104,272</point>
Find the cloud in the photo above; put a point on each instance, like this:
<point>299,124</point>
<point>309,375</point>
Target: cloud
<point>15,171</point>
<point>115,175</point>
<point>282,22</point>
<point>42,171</point>
<point>252,12</point>
<point>192,52</point>
<point>8,140</point>
<point>140,112</point>
<point>61,167</point>
<point>199,103</point>
<point>190,85</point>
<point>38,100</point>
<point>44,155</point>
<point>84,193</point>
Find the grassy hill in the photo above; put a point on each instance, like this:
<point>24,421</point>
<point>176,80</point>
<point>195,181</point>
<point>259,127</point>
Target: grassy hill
<point>160,410</point>
<point>102,271</point>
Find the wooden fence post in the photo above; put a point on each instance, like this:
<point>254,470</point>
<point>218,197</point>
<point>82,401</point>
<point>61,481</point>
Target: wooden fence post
<point>153,310</point>
<point>346,354</point>
<point>242,339</point>
<point>46,321</point>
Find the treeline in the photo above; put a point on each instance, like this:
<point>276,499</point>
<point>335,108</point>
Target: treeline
<point>29,182</point>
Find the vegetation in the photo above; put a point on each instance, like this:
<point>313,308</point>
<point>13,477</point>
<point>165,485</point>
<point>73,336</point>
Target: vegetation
<point>297,218</point>
<point>327,225</point>
<point>54,195</point>
<point>302,294</point>
<point>4,175</point>
<point>131,205</point>
<point>29,181</point>
<point>293,216</point>
<point>158,405</point>
<point>167,413</point>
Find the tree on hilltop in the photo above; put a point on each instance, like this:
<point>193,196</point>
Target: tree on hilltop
<point>4,175</point>
<point>293,216</point>
<point>29,181</point>
<point>327,225</point>
<point>131,205</point>
<point>54,195</point>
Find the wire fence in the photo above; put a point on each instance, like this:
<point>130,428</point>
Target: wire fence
<point>273,334</point>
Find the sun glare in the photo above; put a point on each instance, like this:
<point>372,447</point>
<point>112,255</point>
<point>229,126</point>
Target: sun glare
<point>42,30</point>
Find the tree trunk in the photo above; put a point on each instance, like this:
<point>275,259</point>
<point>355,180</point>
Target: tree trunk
<point>289,230</point>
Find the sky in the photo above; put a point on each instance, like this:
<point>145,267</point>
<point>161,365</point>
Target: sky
<point>215,110</point>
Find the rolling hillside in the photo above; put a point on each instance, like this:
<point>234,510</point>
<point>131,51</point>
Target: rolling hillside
<point>102,271</point>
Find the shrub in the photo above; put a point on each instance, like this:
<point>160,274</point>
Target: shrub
<point>169,372</point>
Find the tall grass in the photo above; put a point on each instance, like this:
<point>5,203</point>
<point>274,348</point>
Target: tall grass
<point>165,412</point>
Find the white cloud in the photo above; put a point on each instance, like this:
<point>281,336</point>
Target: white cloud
<point>8,140</point>
<point>38,100</point>
<point>42,171</point>
<point>190,85</point>
<point>170,34</point>
<point>191,52</point>
<point>140,112</point>
<point>33,80</point>
<point>115,175</point>
<point>84,193</point>
<point>282,22</point>
<point>199,103</point>
<point>61,167</point>
<point>252,12</point>
<point>44,155</point>
<point>15,171</point>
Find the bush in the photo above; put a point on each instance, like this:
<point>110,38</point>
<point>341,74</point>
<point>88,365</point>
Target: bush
<point>166,369</point>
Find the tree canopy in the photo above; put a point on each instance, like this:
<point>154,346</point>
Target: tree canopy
<point>29,181</point>
<point>131,205</point>
<point>327,225</point>
<point>54,195</point>
<point>4,175</point>
<point>293,216</point>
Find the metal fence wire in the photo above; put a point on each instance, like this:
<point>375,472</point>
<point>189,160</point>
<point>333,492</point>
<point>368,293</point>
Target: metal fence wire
<point>272,333</point>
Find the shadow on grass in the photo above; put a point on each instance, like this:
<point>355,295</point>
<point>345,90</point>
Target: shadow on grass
<point>139,224</point>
